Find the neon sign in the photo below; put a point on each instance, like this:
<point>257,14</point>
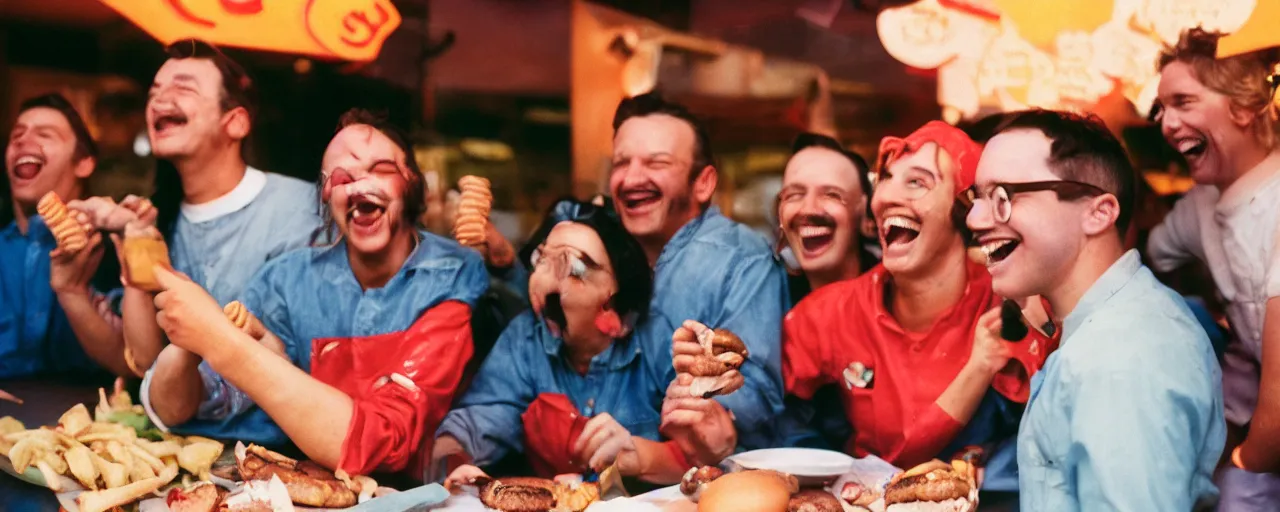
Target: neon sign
<point>337,29</point>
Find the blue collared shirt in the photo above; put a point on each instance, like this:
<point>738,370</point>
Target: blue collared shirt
<point>312,293</point>
<point>725,275</point>
<point>35,335</point>
<point>1127,413</point>
<point>526,362</point>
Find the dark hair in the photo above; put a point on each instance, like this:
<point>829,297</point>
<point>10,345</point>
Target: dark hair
<point>630,266</point>
<point>237,88</point>
<point>238,91</point>
<point>652,103</point>
<point>86,147</point>
<point>1082,149</point>
<point>415,191</point>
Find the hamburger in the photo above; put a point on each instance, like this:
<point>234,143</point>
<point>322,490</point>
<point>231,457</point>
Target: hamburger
<point>697,480</point>
<point>723,351</point>
<point>749,491</point>
<point>934,486</point>
<point>531,494</point>
<point>814,500</point>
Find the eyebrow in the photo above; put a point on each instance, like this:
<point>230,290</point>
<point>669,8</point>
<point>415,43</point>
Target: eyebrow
<point>925,170</point>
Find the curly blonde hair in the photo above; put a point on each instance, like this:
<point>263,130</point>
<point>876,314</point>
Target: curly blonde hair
<point>1248,80</point>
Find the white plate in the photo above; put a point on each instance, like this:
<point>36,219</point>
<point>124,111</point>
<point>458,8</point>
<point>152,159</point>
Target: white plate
<point>801,462</point>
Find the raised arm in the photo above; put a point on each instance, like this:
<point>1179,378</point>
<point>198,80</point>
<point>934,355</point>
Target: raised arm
<point>70,275</point>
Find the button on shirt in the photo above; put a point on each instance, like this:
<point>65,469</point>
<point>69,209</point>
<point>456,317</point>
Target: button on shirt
<point>1237,234</point>
<point>1127,413</point>
<point>724,275</point>
<point>529,361</point>
<point>35,336</point>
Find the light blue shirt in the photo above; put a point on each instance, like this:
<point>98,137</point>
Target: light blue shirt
<point>1127,413</point>
<point>724,275</point>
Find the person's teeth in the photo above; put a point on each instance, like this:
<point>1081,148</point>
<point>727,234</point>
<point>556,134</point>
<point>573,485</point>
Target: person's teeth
<point>29,160</point>
<point>991,247</point>
<point>1185,145</point>
<point>901,222</point>
<point>808,231</point>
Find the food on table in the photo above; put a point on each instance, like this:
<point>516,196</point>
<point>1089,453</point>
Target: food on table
<point>144,248</point>
<point>106,453</point>
<point>532,494</point>
<point>696,480</point>
<point>200,497</point>
<point>258,496</point>
<point>814,500</point>
<point>859,496</point>
<point>308,483</point>
<point>934,486</point>
<point>749,491</point>
<point>723,351</point>
<point>474,205</point>
<point>66,230</point>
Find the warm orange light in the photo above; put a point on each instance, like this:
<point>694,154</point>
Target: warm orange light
<point>338,29</point>
<point>1257,33</point>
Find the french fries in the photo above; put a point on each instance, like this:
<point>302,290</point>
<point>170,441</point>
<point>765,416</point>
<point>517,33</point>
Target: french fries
<point>103,452</point>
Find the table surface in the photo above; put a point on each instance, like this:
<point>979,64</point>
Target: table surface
<point>43,403</point>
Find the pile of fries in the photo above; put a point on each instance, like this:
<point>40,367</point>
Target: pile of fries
<point>106,457</point>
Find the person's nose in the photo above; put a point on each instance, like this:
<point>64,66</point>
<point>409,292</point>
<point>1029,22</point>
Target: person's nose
<point>1170,123</point>
<point>979,218</point>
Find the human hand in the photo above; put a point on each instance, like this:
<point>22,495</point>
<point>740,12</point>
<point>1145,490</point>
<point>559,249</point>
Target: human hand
<point>189,316</point>
<point>499,253</point>
<point>692,346</point>
<point>465,474</point>
<point>604,441</point>
<point>990,352</point>
<point>702,427</point>
<point>71,272</point>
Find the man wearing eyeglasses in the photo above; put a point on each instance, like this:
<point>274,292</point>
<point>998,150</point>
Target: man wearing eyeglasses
<point>1127,413</point>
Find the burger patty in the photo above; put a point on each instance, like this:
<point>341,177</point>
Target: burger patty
<point>308,483</point>
<point>943,486</point>
<point>814,500</point>
<point>519,494</point>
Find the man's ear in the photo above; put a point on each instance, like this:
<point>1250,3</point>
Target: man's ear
<point>237,123</point>
<point>1242,118</point>
<point>704,186</point>
<point>1102,215</point>
<point>84,168</point>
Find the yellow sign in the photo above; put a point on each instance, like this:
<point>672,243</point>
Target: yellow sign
<point>1256,34</point>
<point>338,29</point>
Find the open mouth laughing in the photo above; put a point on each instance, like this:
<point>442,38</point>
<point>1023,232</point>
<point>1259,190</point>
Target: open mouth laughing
<point>553,314</point>
<point>365,211</point>
<point>1191,148</point>
<point>27,166</point>
<point>816,232</point>
<point>636,201</point>
<point>998,250</point>
<point>899,230</point>
<point>169,122</point>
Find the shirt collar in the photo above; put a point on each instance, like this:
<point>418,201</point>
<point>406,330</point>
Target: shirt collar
<point>687,233</point>
<point>245,192</point>
<point>619,354</point>
<point>335,257</point>
<point>1115,278</point>
<point>1246,188</point>
<point>36,229</point>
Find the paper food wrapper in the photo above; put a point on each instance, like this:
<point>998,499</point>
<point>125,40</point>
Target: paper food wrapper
<point>141,255</point>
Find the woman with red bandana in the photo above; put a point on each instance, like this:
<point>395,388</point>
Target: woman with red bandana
<point>915,343</point>
<point>374,328</point>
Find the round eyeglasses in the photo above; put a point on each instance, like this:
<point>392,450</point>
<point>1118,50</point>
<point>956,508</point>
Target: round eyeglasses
<point>1000,195</point>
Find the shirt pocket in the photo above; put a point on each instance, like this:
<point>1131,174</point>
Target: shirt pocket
<point>860,410</point>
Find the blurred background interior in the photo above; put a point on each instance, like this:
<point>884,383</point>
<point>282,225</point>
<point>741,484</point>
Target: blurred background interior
<point>522,91</point>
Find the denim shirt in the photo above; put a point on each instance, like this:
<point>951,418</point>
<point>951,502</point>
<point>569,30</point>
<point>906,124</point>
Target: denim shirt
<point>221,255</point>
<point>312,293</point>
<point>526,362</point>
<point>724,275</point>
<point>35,335</point>
<point>1127,413</point>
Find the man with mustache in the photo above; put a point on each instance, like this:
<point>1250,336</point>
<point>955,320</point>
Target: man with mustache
<point>222,219</point>
<point>374,328</point>
<point>820,211</point>
<point>1222,115</point>
<point>1127,413</point>
<point>914,344</point>
<point>706,267</point>
<point>54,315</point>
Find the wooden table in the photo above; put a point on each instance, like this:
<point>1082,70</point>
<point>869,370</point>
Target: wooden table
<point>44,403</point>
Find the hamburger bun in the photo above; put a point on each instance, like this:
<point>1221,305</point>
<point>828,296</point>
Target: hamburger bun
<point>747,491</point>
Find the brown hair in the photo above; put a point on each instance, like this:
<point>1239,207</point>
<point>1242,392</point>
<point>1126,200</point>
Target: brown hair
<point>237,88</point>
<point>1243,78</point>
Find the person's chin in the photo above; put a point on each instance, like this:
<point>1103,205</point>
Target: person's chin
<point>643,225</point>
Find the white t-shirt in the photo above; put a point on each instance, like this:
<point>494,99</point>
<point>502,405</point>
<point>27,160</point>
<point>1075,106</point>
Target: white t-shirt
<point>1235,234</point>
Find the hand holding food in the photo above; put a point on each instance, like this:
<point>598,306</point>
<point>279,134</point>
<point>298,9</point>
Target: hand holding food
<point>144,250</point>
<point>702,428</point>
<point>711,356</point>
<point>244,320</point>
<point>70,235</point>
<point>605,441</point>
<point>104,214</point>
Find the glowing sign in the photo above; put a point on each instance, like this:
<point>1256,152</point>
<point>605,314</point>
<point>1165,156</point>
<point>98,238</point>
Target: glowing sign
<point>1057,54</point>
<point>339,29</point>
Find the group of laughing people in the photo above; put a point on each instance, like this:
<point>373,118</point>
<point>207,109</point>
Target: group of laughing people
<point>364,357</point>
